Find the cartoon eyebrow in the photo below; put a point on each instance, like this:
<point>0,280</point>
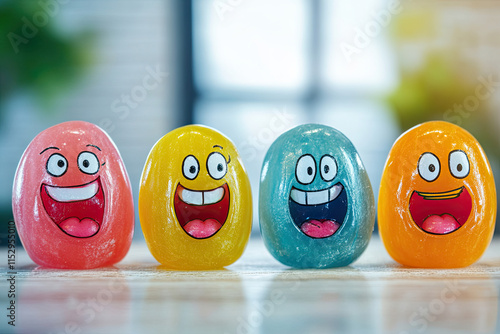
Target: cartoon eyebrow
<point>222,149</point>
<point>51,148</point>
<point>94,146</point>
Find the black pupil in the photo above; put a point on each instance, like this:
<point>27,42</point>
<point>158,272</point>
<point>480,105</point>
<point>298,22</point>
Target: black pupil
<point>432,168</point>
<point>327,169</point>
<point>459,167</point>
<point>86,163</point>
<point>309,170</point>
<point>220,167</point>
<point>60,163</point>
<point>192,169</point>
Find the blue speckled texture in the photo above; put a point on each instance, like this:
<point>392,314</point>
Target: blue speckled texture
<point>281,236</point>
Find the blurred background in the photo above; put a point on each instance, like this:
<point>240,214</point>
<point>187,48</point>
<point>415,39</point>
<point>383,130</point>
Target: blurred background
<point>249,68</point>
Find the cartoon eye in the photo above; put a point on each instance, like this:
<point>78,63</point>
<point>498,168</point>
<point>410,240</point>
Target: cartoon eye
<point>190,167</point>
<point>88,163</point>
<point>328,168</point>
<point>216,165</point>
<point>429,167</point>
<point>305,171</point>
<point>57,165</point>
<point>459,164</point>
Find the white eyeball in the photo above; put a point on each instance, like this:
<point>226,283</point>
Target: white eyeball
<point>190,167</point>
<point>216,165</point>
<point>328,168</point>
<point>88,163</point>
<point>429,167</point>
<point>459,164</point>
<point>305,171</point>
<point>57,165</point>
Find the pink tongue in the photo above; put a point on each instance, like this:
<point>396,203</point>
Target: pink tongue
<point>440,224</point>
<point>317,229</point>
<point>79,228</point>
<point>202,229</point>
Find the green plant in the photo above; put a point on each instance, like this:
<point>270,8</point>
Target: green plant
<point>439,90</point>
<point>45,62</point>
<point>438,79</point>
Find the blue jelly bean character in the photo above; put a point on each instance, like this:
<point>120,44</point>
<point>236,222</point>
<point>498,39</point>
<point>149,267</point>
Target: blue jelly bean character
<point>316,203</point>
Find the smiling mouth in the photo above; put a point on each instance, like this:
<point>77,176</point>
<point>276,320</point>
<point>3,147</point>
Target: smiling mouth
<point>441,212</point>
<point>318,214</point>
<point>201,213</point>
<point>77,210</point>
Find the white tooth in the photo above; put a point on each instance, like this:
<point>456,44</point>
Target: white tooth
<point>317,197</point>
<point>213,196</point>
<point>335,191</point>
<point>298,196</point>
<point>192,197</point>
<point>69,194</point>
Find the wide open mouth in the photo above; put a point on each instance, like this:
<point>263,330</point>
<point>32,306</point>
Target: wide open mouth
<point>77,210</point>
<point>318,214</point>
<point>442,212</point>
<point>201,213</point>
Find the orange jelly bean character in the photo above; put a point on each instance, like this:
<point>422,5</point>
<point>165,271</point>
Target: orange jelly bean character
<point>437,200</point>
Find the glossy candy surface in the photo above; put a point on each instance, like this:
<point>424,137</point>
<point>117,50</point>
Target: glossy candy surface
<point>316,202</point>
<point>437,201</point>
<point>195,200</point>
<point>72,199</point>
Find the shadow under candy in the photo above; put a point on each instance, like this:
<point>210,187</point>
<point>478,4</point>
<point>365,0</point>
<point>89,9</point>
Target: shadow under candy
<point>440,301</point>
<point>72,301</point>
<point>315,301</point>
<point>190,301</point>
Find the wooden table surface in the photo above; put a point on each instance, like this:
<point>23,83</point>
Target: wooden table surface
<point>255,295</point>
